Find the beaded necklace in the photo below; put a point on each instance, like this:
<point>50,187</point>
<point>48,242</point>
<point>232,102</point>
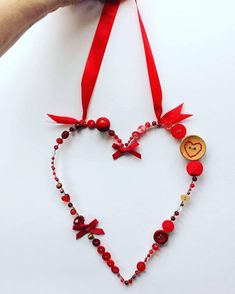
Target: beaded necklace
<point>192,147</point>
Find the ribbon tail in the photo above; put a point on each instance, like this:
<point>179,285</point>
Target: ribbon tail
<point>63,119</point>
<point>97,231</point>
<point>173,116</point>
<point>117,154</point>
<point>80,234</point>
<point>136,154</point>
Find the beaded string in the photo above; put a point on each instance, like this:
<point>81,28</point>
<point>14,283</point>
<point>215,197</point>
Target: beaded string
<point>161,235</point>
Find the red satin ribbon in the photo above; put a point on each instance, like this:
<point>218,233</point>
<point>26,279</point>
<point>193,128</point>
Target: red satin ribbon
<point>90,228</point>
<point>121,150</point>
<point>95,59</point>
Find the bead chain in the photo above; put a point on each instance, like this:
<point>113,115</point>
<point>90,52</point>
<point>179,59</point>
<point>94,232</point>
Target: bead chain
<point>106,256</point>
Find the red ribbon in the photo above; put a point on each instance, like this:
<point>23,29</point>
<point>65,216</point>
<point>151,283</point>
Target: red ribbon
<point>94,62</point>
<point>129,149</point>
<point>90,228</point>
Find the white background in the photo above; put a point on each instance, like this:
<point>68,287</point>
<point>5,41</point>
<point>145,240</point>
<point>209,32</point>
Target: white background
<point>193,42</point>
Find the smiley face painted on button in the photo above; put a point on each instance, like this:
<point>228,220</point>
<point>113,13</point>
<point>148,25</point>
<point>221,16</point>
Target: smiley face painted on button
<point>193,147</point>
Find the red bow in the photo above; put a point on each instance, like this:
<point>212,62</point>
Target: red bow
<point>129,149</point>
<point>85,229</point>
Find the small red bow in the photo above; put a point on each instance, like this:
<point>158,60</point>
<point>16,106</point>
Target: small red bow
<point>85,229</point>
<point>129,149</point>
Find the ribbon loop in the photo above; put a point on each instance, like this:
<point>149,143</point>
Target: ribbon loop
<point>121,150</point>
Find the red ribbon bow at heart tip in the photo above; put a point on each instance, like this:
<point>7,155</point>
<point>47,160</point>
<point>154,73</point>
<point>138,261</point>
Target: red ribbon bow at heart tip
<point>129,149</point>
<point>89,228</point>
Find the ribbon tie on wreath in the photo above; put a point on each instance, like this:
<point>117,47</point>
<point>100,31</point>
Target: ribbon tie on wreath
<point>121,150</point>
<point>84,229</point>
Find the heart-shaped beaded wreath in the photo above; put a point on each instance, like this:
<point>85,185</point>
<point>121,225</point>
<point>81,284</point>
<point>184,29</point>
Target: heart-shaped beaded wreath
<point>191,147</point>
<point>160,236</point>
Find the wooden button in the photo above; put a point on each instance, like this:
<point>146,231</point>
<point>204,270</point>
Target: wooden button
<point>193,147</point>
<point>185,198</point>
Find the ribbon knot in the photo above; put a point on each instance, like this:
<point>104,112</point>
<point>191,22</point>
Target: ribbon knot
<point>121,150</point>
<point>84,229</point>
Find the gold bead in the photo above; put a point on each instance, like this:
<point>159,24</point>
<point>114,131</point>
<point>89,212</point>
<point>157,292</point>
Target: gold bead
<point>90,236</point>
<point>59,185</point>
<point>185,198</point>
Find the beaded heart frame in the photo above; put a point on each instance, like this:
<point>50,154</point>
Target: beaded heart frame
<point>192,148</point>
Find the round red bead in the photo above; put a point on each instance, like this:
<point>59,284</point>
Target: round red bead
<point>168,226</point>
<point>194,168</point>
<point>91,124</point>
<point>178,131</point>
<point>160,237</point>
<point>141,266</point>
<point>65,198</point>
<point>65,135</point>
<point>101,249</point>
<point>155,247</point>
<point>115,269</point>
<point>103,124</point>
<point>73,211</point>
<point>106,256</point>
<point>96,242</point>
<point>110,263</point>
<point>59,140</point>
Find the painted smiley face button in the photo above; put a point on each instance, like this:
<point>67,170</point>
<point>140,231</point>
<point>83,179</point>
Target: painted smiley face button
<point>193,147</point>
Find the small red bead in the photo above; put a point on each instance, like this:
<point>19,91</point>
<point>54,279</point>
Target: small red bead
<point>168,226</point>
<point>91,124</point>
<point>192,185</point>
<point>65,198</point>
<point>56,147</point>
<point>194,168</point>
<point>96,242</point>
<point>73,211</point>
<point>176,213</point>
<point>155,247</point>
<point>115,269</point>
<point>111,133</point>
<point>65,135</point>
<point>148,125</point>
<point>59,140</point>
<point>101,249</point>
<point>154,123</point>
<point>106,256</point>
<point>102,124</point>
<point>141,266</point>
<point>135,135</point>
<point>110,263</point>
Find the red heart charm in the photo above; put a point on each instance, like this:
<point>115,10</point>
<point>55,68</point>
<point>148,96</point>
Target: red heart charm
<point>192,149</point>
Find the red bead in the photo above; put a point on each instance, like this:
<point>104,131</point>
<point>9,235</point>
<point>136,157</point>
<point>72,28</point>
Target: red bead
<point>160,237</point>
<point>59,140</point>
<point>154,123</point>
<point>91,124</point>
<point>106,256</point>
<point>155,247</point>
<point>101,249</point>
<point>110,263</point>
<point>65,135</point>
<point>168,226</point>
<point>141,266</point>
<point>192,185</point>
<point>178,131</point>
<point>115,269</point>
<point>65,198</point>
<point>173,218</point>
<point>135,135</point>
<point>102,124</point>
<point>111,133</point>
<point>96,242</point>
<point>194,168</point>
<point>73,211</point>
<point>148,125</point>
<point>79,220</point>
<point>56,147</point>
<point>176,213</point>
